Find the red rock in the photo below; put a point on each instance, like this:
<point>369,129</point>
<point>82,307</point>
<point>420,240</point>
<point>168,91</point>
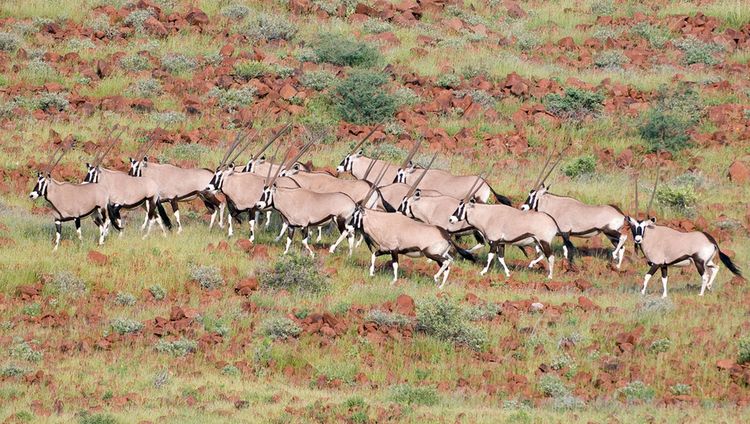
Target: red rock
<point>519,88</point>
<point>246,286</point>
<point>154,27</point>
<point>567,43</point>
<point>287,92</point>
<point>739,172</point>
<point>404,305</point>
<point>724,364</point>
<point>553,285</point>
<point>227,50</point>
<point>97,258</point>
<point>196,17</point>
<point>586,304</point>
<point>514,10</point>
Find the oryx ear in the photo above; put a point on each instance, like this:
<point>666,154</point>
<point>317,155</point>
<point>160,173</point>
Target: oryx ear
<point>145,158</point>
<point>262,158</point>
<point>631,221</point>
<point>545,189</point>
<point>39,175</point>
<point>417,193</point>
<point>88,165</point>
<point>473,201</point>
<point>359,153</point>
<point>231,165</point>
<point>131,160</point>
<point>653,220</point>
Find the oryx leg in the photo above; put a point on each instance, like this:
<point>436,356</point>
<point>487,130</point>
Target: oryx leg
<point>700,266</point>
<point>289,237</point>
<point>539,258</point>
<point>547,252</point>
<point>145,220</point>
<point>490,257</point>
<point>664,281</point>
<point>480,241</point>
<point>375,254</point>
<point>268,220</point>
<point>344,233</point>
<point>58,232</point>
<point>320,234</point>
<point>714,270</point>
<point>176,210</point>
<point>444,262</point>
<point>394,264</point>
<point>647,277</point>
<point>78,228</point>
<point>284,227</point>
<point>305,235</point>
<point>221,215</point>
<point>618,241</point>
<point>101,221</point>
<point>361,238</point>
<point>501,258</point>
<point>251,216</point>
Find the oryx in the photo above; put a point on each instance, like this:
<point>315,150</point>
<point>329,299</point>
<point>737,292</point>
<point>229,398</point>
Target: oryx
<point>301,208</point>
<point>575,218</point>
<point>664,247</point>
<point>392,195</point>
<point>126,192</point>
<point>71,202</point>
<point>393,233</point>
<point>179,185</point>
<point>357,164</point>
<point>501,225</point>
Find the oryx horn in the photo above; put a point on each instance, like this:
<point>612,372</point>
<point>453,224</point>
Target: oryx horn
<point>544,168</point>
<point>375,182</point>
<point>361,142</point>
<point>237,140</point>
<point>656,182</point>
<point>557,162</point>
<point>414,186</point>
<point>411,154</point>
<point>372,163</point>
<point>99,158</point>
<point>281,132</point>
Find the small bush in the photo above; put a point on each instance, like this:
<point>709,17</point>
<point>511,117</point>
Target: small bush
<point>125,326</point>
<point>409,395</point>
<point>39,72</point>
<point>236,12</point>
<point>448,80</point>
<point>100,23</point>
<point>482,312</point>
<point>660,345</point>
<point>270,27</point>
<point>697,51</point>
<point>603,33</point>
<point>168,118</point>
<point>161,379</point>
<point>21,349</point>
<point>158,292</point>
<point>551,386</point>
<point>77,44</point>
<point>233,98</point>
<point>637,391</point>
<point>125,299</point>
<point>743,355</point>
<point>343,50</point>
<point>32,309</point>
<point>251,69</point>
<point>655,35</point>
<point>178,63</point>
<point>135,62</point>
<point>231,370</point>
<point>361,98</point>
<point>317,80</point>
<point>581,166</point>
<point>611,59</point>
<point>574,104</point>
<point>148,87</point>
<point>88,418</point>
<point>9,42</point>
<point>387,319</point>
<point>66,283</point>
<point>568,402</point>
<point>445,320</point>
<point>527,41</point>
<point>655,305</point>
<point>137,18</point>
<point>376,26</point>
<point>474,70</point>
<point>603,7</point>
<point>51,101</point>
<point>13,370</point>
<point>209,277</point>
<point>680,389</point>
<point>295,273</point>
<point>181,347</point>
<point>8,108</point>
<point>674,112</point>
<point>280,328</point>
<point>681,198</point>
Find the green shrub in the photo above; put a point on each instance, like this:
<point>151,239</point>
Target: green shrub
<point>551,386</point>
<point>610,59</point>
<point>344,50</point>
<point>295,273</point>
<point>581,166</point>
<point>158,292</point>
<point>576,103</point>
<point>231,370</point>
<point>178,63</point>
<point>680,198</point>
<point>361,98</point>
<point>251,69</point>
<point>32,309</point>
<point>655,305</point>
<point>405,96</point>
<point>680,389</point>
<point>448,80</point>
<point>637,391</point>
<point>21,349</point>
<point>673,113</point>
<point>387,319</point>
<point>317,80</point>
<point>125,326</point>
<point>743,356</point>
<point>88,418</point>
<point>209,277</point>
<point>567,402</point>
<point>135,63</point>
<point>482,312</point>
<point>281,328</point>
<point>603,7</point>
<point>40,72</point>
<point>656,36</point>
<point>137,18</point>
<point>125,299</point>
<point>168,118</point>
<point>178,348</point>
<point>13,370</point>
<point>9,42</point>
<point>409,395</point>
<point>161,379</point>
<point>148,87</point>
<point>233,98</point>
<point>51,101</point>
<point>376,26</point>
<point>445,320</point>
<point>526,40</point>
<point>235,12</point>
<point>603,33</point>
<point>660,345</point>
<point>697,51</point>
<point>270,27</point>
<point>100,23</point>
<point>65,283</point>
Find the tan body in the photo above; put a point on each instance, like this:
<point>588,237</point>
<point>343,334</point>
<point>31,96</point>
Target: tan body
<point>359,165</point>
<point>394,193</point>
<point>450,185</point>
<point>437,210</point>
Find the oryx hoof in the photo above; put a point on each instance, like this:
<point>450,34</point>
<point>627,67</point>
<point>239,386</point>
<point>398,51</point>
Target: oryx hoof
<point>482,272</point>
<point>643,292</point>
<point>331,250</point>
<point>393,281</point>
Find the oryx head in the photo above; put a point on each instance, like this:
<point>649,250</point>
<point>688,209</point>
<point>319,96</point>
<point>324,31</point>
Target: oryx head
<point>136,166</point>
<point>293,170</point>
<point>402,173</point>
<point>252,164</point>
<point>40,189</point>
<point>638,228</point>
<point>92,173</point>
<point>266,198</point>
<point>357,217</point>
<point>217,180</point>
<point>406,204</point>
<point>348,162</point>
<point>460,213</point>
<point>532,202</point>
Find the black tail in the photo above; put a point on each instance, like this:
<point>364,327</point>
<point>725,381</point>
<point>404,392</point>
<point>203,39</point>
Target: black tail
<point>163,215</point>
<point>388,207</point>
<point>500,198</point>
<point>114,216</point>
<point>727,261</point>
<point>569,245</point>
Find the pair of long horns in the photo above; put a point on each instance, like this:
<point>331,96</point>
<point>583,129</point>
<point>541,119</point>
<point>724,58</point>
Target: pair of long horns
<point>411,154</point>
<point>541,180</point>
<point>361,142</point>
<point>376,181</point>
<point>288,162</point>
<point>414,186</point>
<point>112,142</point>
<point>653,192</point>
<point>237,140</point>
<point>55,159</point>
<point>475,186</point>
<point>145,147</point>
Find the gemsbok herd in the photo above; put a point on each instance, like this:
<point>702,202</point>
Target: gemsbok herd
<point>396,209</point>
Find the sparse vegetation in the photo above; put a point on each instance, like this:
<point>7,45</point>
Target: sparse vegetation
<point>361,98</point>
<point>410,395</point>
<point>125,299</point>
<point>581,166</point>
<point>158,292</point>
<point>208,277</point>
<point>637,391</point>
<point>125,325</point>
<point>181,347</point>
<point>178,63</point>
<point>233,98</point>
<point>574,104</point>
<point>270,27</point>
<point>281,328</point>
<point>444,319</point>
<point>743,356</point>
<point>295,273</point>
<point>666,124</point>
<point>318,80</point>
<point>338,49</point>
<point>251,69</point>
<point>697,51</point>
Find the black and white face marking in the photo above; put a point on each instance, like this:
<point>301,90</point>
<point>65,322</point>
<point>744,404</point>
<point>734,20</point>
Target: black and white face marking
<point>357,217</point>
<point>217,181</point>
<point>406,204</point>
<point>92,174</point>
<point>266,198</point>
<point>400,176</point>
<point>40,189</point>
<point>638,228</point>
<point>135,167</point>
<point>532,202</point>
<point>347,163</point>
<point>459,214</point>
